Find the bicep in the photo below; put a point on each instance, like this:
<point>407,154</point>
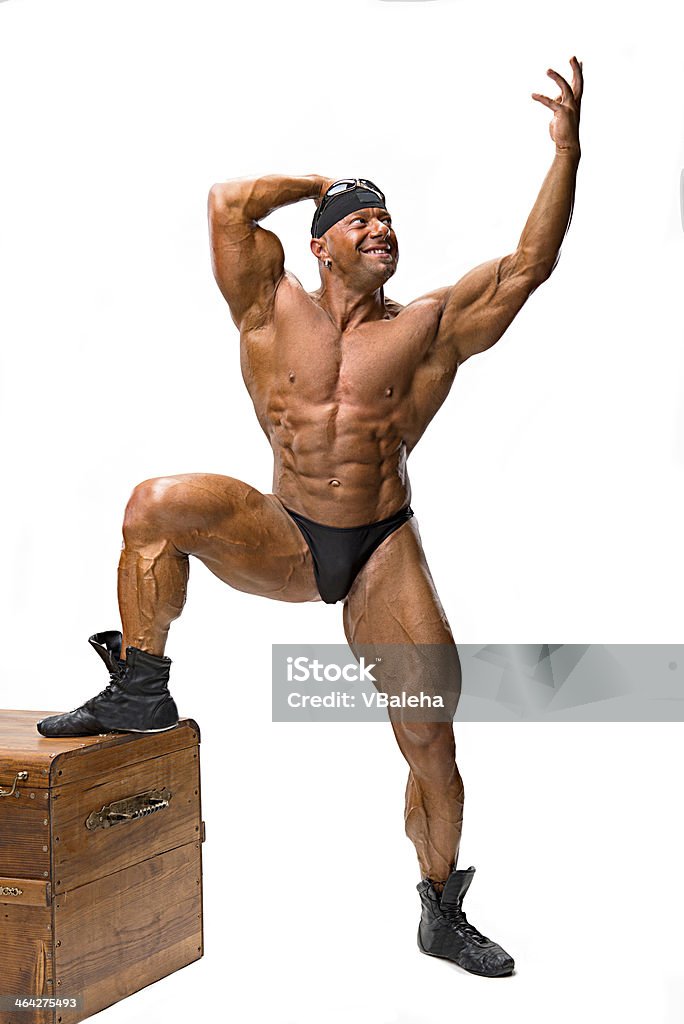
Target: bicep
<point>248,261</point>
<point>478,309</point>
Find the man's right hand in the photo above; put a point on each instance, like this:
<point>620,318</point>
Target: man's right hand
<point>325,185</point>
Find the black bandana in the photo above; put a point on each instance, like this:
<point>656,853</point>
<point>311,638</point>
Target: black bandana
<point>343,204</point>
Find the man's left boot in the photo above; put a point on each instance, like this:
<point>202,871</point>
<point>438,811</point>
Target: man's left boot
<point>444,930</point>
<point>137,698</point>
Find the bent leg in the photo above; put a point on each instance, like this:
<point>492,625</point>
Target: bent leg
<point>244,537</point>
<point>394,602</point>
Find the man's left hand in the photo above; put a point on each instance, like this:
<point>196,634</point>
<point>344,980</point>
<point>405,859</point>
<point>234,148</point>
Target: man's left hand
<point>564,128</point>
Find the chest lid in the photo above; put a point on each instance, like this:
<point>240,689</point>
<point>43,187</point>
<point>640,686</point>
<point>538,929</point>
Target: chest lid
<point>49,762</point>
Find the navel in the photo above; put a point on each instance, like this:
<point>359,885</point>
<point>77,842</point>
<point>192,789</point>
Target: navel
<point>333,483</point>
<point>389,392</point>
<point>291,377</point>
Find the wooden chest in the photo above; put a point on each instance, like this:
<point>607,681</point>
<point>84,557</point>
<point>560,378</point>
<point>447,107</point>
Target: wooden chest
<point>100,865</point>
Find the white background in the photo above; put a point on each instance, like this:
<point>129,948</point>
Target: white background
<point>548,490</point>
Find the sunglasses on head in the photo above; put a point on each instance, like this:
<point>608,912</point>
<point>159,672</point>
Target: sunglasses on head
<point>347,184</point>
<point>338,188</point>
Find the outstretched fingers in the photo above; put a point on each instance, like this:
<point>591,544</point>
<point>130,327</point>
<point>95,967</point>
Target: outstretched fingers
<point>570,95</point>
<point>551,104</point>
<point>566,92</point>
<point>577,78</point>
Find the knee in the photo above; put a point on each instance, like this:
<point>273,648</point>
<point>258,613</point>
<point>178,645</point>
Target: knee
<point>431,753</point>
<point>429,748</point>
<point>149,507</point>
<point>426,736</point>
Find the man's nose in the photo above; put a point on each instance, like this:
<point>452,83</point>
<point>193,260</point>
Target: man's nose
<point>379,228</point>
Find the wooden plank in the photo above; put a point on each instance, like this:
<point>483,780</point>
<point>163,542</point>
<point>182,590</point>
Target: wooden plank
<point>26,959</point>
<point>25,834</point>
<point>32,893</point>
<point>119,750</point>
<point>125,931</point>
<point>22,748</point>
<point>82,855</point>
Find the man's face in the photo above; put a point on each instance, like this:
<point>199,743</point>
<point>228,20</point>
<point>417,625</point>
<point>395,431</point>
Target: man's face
<point>363,247</point>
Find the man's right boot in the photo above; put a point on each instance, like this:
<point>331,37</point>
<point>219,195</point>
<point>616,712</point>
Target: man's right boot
<point>137,698</point>
<point>445,931</point>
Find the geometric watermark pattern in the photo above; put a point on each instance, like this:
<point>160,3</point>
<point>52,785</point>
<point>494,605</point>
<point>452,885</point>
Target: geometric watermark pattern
<point>479,683</point>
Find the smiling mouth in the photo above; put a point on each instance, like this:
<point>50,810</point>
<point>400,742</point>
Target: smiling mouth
<point>376,252</point>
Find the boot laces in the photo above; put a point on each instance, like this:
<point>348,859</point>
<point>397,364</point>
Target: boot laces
<point>112,687</point>
<point>460,922</point>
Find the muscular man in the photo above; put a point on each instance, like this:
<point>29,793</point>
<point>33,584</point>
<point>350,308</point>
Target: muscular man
<point>344,383</point>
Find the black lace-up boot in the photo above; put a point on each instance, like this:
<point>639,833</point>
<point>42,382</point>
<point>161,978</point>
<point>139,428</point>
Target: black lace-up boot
<point>444,930</point>
<point>137,698</point>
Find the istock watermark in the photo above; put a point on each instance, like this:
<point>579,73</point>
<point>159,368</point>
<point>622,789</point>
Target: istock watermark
<point>478,683</point>
<point>303,669</point>
<point>330,683</point>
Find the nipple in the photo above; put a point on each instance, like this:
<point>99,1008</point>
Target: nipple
<point>334,483</point>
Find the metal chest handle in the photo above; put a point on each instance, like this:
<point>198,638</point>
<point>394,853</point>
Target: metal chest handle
<point>19,777</point>
<point>130,808</point>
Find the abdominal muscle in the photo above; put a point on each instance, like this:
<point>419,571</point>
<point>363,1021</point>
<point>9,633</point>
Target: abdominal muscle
<point>338,466</point>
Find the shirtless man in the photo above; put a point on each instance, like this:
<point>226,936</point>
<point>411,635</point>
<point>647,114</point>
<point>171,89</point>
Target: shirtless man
<point>344,383</point>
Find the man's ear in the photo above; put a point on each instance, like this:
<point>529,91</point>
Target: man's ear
<point>319,249</point>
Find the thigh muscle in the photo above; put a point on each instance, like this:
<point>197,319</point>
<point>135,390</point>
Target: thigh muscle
<point>245,537</point>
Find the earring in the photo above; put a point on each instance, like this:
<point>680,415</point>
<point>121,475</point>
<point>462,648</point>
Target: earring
<point>327,264</point>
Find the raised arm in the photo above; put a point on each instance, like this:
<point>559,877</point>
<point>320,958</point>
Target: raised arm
<point>248,260</point>
<point>477,310</point>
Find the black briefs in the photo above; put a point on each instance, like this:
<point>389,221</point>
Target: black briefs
<point>340,552</point>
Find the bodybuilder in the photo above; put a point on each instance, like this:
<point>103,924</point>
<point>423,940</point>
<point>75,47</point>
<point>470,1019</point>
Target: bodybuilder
<point>344,383</point>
